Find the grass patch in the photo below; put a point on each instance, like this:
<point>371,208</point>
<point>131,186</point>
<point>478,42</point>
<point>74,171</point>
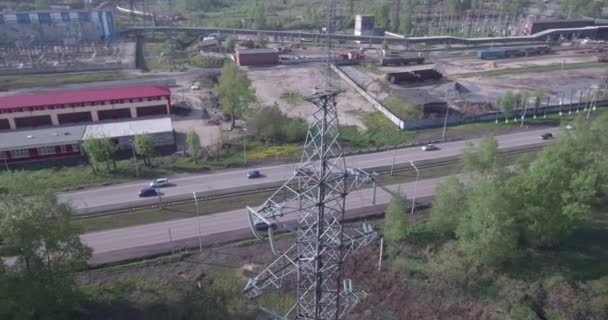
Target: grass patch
<point>81,176</point>
<point>401,108</point>
<point>380,132</point>
<point>534,69</point>
<point>34,80</point>
<point>293,98</point>
<point>282,152</point>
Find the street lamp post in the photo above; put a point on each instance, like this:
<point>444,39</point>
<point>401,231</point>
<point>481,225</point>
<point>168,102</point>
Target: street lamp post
<point>198,222</point>
<point>415,186</point>
<point>445,121</point>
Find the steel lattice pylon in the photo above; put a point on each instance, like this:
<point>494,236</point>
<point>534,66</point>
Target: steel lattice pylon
<point>317,195</point>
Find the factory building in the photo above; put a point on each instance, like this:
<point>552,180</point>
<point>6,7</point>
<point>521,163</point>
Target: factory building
<point>42,144</point>
<point>122,133</point>
<point>257,57</point>
<point>61,108</point>
<point>56,143</point>
<point>60,27</point>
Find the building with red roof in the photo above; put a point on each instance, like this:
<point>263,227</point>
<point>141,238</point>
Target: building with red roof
<point>60,108</point>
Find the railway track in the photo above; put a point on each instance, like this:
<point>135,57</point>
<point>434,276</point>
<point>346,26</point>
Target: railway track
<point>383,171</point>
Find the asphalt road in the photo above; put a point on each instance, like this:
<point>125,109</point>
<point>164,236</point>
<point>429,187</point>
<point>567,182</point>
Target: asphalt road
<point>162,237</point>
<point>124,195</point>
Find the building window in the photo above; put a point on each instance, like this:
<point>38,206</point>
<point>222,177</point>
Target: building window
<point>75,148</point>
<point>3,155</point>
<point>44,151</point>
<point>21,153</point>
<point>63,149</point>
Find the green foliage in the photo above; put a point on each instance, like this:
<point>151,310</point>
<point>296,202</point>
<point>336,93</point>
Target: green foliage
<point>272,126</point>
<point>507,103</point>
<point>257,15</point>
<point>261,40</point>
<point>202,5</point>
<point>100,150</point>
<point>37,230</point>
<point>487,232</point>
<point>396,227</point>
<point>485,160</point>
<point>234,90</point>
<point>230,43</point>
<point>382,15</point>
<point>144,147</point>
<point>193,143</point>
<point>42,4</point>
<point>448,207</point>
<point>402,108</point>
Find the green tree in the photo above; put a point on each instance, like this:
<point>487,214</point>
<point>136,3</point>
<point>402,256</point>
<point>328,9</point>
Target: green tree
<point>406,25</point>
<point>382,15</point>
<point>487,234</point>
<point>144,147</point>
<point>448,206</point>
<point>507,103</point>
<point>484,160</point>
<point>38,231</point>
<point>261,40</point>
<point>100,150</point>
<point>270,125</point>
<point>257,15</point>
<point>231,44</point>
<point>539,94</point>
<point>559,188</point>
<point>193,143</point>
<point>396,228</point>
<point>234,91</point>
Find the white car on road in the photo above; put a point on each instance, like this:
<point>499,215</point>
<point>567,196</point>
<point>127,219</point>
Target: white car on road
<point>159,183</point>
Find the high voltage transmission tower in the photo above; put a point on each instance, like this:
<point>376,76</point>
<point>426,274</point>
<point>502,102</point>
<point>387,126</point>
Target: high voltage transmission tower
<point>311,204</point>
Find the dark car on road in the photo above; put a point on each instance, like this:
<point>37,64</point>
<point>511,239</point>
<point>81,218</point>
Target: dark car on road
<point>148,192</point>
<point>429,147</point>
<point>253,174</point>
<point>546,136</point>
<point>261,225</point>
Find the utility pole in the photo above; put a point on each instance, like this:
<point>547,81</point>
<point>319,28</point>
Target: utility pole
<point>135,158</point>
<point>445,121</point>
<point>415,186</point>
<point>198,222</point>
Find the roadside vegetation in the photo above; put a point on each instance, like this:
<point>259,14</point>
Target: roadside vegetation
<point>401,108</point>
<point>524,241</point>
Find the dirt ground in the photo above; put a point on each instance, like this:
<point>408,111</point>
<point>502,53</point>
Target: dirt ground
<point>271,83</point>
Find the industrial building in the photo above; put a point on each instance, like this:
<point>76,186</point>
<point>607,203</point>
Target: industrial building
<point>60,108</point>
<point>20,146</point>
<point>41,144</point>
<point>122,133</point>
<point>257,57</point>
<point>60,27</point>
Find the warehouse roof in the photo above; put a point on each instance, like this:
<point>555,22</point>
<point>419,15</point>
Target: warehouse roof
<point>40,137</point>
<point>257,51</point>
<point>127,128</point>
<point>69,97</point>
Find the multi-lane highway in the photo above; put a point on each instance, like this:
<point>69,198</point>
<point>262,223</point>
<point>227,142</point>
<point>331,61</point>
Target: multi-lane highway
<point>126,195</point>
<point>157,238</point>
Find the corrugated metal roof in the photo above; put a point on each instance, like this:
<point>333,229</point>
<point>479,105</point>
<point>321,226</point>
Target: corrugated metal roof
<point>127,128</point>
<point>41,137</point>
<point>257,51</point>
<point>95,95</point>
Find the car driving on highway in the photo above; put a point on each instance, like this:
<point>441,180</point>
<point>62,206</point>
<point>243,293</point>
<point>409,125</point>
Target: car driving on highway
<point>148,192</point>
<point>254,173</point>
<point>429,147</point>
<point>546,136</point>
<point>159,183</point>
<point>261,225</point>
